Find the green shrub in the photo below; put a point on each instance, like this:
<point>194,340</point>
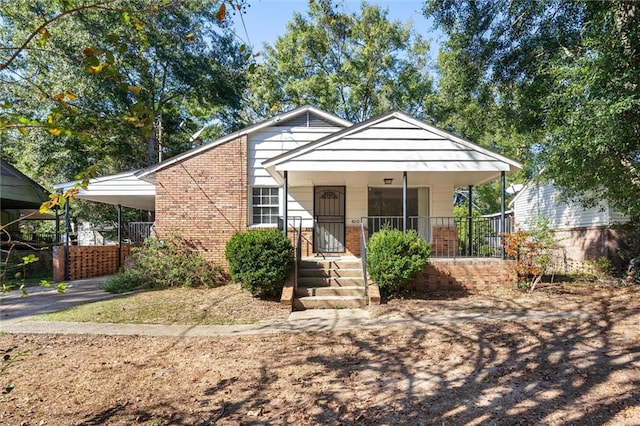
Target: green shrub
<point>260,260</point>
<point>394,257</point>
<point>165,263</point>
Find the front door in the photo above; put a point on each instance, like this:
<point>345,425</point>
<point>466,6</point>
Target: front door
<point>329,219</point>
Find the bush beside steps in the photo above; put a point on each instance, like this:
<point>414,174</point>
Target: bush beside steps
<point>260,260</point>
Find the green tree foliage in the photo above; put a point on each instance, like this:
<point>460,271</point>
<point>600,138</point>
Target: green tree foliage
<point>395,257</point>
<point>98,83</point>
<point>554,83</point>
<point>356,65</point>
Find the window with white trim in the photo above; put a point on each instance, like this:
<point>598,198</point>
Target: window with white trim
<point>265,205</point>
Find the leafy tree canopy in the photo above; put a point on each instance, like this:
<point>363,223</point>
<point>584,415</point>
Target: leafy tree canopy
<point>558,79</point>
<point>356,65</point>
<point>102,83</point>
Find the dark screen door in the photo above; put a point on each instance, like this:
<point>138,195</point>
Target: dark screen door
<point>329,219</point>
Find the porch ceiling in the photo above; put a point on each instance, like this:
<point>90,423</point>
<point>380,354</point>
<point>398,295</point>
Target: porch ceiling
<point>368,179</point>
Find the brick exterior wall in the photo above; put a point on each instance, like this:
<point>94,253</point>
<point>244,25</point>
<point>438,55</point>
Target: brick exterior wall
<point>307,240</point>
<point>352,244</point>
<point>88,261</point>
<point>204,198</point>
<point>580,244</point>
<point>445,241</point>
<point>469,275</point>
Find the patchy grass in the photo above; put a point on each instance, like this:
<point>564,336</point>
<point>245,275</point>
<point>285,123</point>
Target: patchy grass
<point>223,305</point>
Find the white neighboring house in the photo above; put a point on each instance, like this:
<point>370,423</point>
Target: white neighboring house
<point>583,233</point>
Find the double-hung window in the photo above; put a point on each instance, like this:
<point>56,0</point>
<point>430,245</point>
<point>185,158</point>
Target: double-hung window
<point>265,205</point>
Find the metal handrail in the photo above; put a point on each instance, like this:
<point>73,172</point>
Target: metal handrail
<point>363,258</point>
<point>298,247</point>
<point>298,254</point>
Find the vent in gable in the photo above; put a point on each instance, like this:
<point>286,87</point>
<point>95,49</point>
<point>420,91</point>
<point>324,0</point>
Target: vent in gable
<point>307,119</point>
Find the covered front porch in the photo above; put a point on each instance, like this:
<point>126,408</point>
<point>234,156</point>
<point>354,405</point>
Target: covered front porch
<point>391,171</point>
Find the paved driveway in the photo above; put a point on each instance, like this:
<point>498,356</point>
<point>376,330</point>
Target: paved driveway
<point>40,300</point>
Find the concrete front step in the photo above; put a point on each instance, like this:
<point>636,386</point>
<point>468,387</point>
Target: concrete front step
<point>330,291</point>
<point>329,302</point>
<point>329,282</point>
<point>320,272</point>
<point>330,264</point>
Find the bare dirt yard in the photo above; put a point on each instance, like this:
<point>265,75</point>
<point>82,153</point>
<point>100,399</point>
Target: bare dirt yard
<point>580,367</point>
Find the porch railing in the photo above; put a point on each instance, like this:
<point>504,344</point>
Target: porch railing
<point>35,239</point>
<point>295,222</point>
<point>363,258</point>
<point>450,236</point>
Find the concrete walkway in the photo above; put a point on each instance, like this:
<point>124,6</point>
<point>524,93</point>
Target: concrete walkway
<point>40,300</point>
<point>16,310</point>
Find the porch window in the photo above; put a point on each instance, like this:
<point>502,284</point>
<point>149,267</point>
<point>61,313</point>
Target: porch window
<point>265,205</point>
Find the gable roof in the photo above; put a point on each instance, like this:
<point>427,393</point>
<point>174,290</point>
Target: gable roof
<point>392,141</point>
<point>309,114</point>
<point>18,191</point>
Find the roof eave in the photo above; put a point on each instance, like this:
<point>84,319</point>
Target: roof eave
<point>244,132</point>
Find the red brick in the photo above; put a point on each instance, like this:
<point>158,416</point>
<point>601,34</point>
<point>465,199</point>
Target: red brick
<point>204,198</point>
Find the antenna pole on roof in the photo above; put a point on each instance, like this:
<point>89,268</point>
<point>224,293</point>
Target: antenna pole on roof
<point>158,128</point>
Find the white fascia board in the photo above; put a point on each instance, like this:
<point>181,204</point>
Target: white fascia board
<point>66,185</point>
<point>375,166</point>
<point>279,177</point>
<point>458,139</point>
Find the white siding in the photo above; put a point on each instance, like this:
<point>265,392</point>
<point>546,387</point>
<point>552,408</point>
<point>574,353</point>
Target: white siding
<point>301,204</point>
<point>544,200</point>
<point>274,141</point>
<point>617,217</point>
<point>394,145</point>
<point>356,204</point>
<point>442,201</point>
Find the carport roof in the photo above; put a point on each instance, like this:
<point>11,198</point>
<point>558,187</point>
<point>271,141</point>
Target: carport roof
<point>125,189</point>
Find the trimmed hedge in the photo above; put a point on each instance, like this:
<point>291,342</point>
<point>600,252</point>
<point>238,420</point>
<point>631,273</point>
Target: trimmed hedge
<point>395,257</point>
<point>260,260</point>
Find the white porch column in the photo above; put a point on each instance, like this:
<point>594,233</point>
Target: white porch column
<point>285,206</point>
<point>503,227</point>
<point>405,208</point>
<point>119,260</point>
<point>470,219</point>
<point>67,237</point>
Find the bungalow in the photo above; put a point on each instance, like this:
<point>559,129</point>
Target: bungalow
<point>324,179</point>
